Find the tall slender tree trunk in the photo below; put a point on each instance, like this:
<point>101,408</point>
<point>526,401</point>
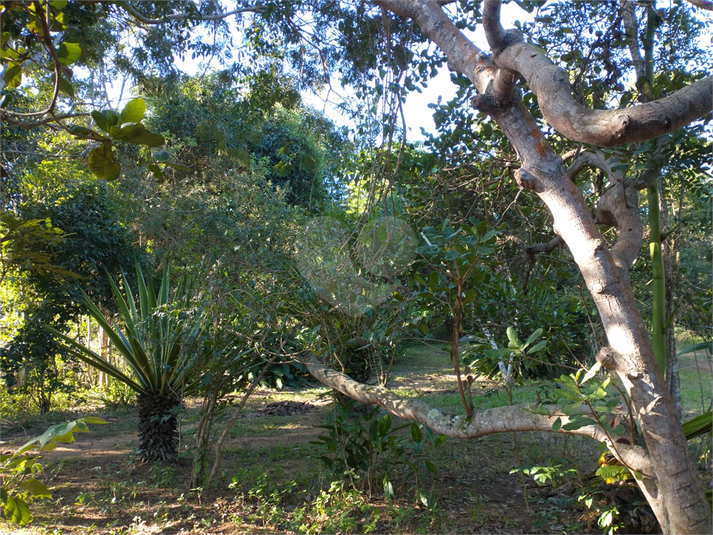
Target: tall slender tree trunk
<point>671,265</point>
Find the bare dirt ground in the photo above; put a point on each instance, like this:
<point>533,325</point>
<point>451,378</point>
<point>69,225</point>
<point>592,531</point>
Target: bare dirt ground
<point>272,479</point>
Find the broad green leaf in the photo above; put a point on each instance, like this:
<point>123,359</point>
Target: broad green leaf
<point>66,86</point>
<point>134,111</point>
<point>537,347</point>
<point>149,139</point>
<point>16,510</point>
<point>69,52</point>
<point>156,170</point>
<point>103,164</point>
<point>567,394</point>
<point>36,488</point>
<point>577,421</point>
<point>512,337</point>
<point>112,118</point>
<point>470,296</point>
<point>557,424</point>
<point>100,120</point>
<point>452,255</point>
<point>572,408</point>
<point>79,130</point>
<point>541,409</point>
<point>13,76</point>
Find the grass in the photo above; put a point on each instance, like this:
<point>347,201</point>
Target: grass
<point>273,480</point>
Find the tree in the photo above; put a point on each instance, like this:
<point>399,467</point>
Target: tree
<point>161,342</point>
<point>669,478</point>
<point>93,242</point>
<point>665,473</point>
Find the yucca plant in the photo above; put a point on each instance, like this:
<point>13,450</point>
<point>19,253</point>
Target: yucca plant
<point>160,343</point>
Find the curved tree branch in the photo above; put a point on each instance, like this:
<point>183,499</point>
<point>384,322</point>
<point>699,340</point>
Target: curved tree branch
<point>138,16</point>
<point>618,207</point>
<point>498,38</point>
<point>482,423</point>
<point>603,128</point>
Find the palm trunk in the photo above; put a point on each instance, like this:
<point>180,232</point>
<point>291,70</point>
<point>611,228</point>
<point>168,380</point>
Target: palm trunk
<point>158,428</point>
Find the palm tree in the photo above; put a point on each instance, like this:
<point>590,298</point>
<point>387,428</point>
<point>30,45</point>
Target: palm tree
<point>160,342</point>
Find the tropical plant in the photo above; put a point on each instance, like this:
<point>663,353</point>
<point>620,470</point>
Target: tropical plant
<point>18,487</point>
<point>161,343</point>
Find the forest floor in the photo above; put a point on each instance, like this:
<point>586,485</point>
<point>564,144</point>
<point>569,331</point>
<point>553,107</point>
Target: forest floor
<point>273,481</point>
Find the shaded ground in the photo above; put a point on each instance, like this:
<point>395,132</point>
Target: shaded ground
<point>273,481</point>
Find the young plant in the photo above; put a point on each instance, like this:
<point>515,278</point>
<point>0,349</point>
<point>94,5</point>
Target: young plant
<point>18,486</point>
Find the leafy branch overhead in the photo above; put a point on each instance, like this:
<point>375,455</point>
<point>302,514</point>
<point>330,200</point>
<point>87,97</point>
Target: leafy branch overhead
<point>126,127</point>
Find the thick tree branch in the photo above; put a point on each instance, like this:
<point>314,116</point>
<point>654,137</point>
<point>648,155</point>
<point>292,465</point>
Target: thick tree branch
<point>463,56</point>
<point>603,128</point>
<point>482,423</point>
<point>498,39</point>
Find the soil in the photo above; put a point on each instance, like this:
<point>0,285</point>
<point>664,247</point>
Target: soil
<point>98,488</point>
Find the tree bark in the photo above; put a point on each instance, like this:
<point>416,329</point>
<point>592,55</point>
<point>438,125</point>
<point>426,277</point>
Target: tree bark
<point>674,490</point>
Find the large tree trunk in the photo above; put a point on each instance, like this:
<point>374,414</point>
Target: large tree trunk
<point>672,486</point>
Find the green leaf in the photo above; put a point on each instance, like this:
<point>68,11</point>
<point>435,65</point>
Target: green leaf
<point>79,130</point>
<point>149,139</point>
<point>65,86</point>
<point>452,255</point>
<point>13,76</point>
<point>100,120</point>
<point>103,164</point>
<point>571,408</point>
<point>537,347</point>
<point>576,422</point>
<point>541,409</point>
<point>94,420</point>
<point>416,433</point>
<point>557,424</point>
<point>134,111</point>
<point>568,394</point>
<point>534,336</point>
<point>178,166</point>
<point>700,425</point>
<point>162,155</point>
<point>16,510</point>
<point>69,52</point>
<point>708,346</point>
<point>512,337</point>
<point>36,488</point>
<point>156,170</point>
<point>470,296</point>
<point>592,372</point>
<point>112,118</point>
